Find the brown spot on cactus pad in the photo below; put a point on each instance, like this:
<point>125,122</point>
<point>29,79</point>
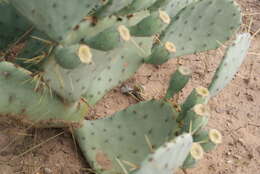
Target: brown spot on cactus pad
<point>103,160</point>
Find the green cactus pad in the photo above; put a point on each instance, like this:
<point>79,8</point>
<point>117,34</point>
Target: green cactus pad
<point>135,18</point>
<point>30,101</point>
<point>201,26</point>
<point>161,52</point>
<point>208,139</point>
<point>55,17</point>
<point>12,25</point>
<point>87,30</point>
<point>172,7</point>
<point>105,71</point>
<point>159,4</point>
<point>168,157</point>
<point>112,7</point>
<point>137,5</point>
<point>196,154</point>
<point>178,80</point>
<point>125,64</point>
<point>196,118</point>
<point>175,6</point>
<point>198,95</point>
<point>129,135</point>
<point>73,56</point>
<point>230,64</point>
<point>70,84</point>
<point>109,39</point>
<point>153,24</point>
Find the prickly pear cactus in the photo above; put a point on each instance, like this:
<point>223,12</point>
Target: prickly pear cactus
<point>169,157</point>
<point>198,95</point>
<point>178,80</point>
<point>55,17</point>
<point>196,154</point>
<point>137,6</point>
<point>153,24</point>
<point>196,29</point>
<point>208,139</point>
<point>95,78</point>
<point>230,64</point>
<point>129,135</point>
<point>111,7</point>
<point>196,118</point>
<point>28,99</point>
<point>76,51</point>
<point>174,7</point>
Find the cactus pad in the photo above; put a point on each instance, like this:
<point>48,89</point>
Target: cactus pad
<point>199,95</point>
<point>174,7</point>
<point>230,64</point>
<point>208,139</point>
<point>196,154</point>
<point>196,118</point>
<point>151,25</point>
<point>129,135</point>
<point>109,39</point>
<point>137,5</point>
<point>55,17</point>
<point>120,69</point>
<point>112,7</point>
<point>95,79</point>
<point>28,99</point>
<point>198,27</point>
<point>168,157</point>
<point>72,56</point>
<point>86,30</point>
<point>178,80</point>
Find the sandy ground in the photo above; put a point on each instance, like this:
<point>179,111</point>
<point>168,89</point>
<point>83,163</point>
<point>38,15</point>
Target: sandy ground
<point>235,112</point>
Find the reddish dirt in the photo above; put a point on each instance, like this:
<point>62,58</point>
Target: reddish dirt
<point>235,112</point>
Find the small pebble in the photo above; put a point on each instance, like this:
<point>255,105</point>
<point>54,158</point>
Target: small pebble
<point>229,161</point>
<point>219,110</point>
<point>47,170</point>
